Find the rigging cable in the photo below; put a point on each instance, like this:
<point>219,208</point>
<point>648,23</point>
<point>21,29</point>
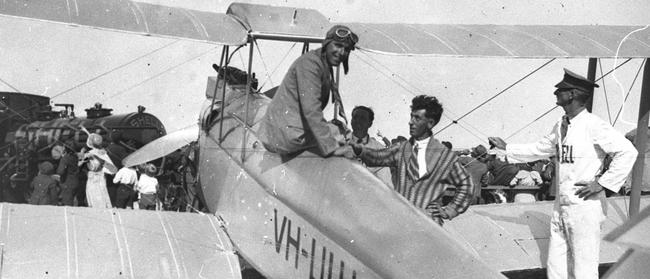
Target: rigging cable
<point>266,68</point>
<point>12,87</point>
<point>627,210</point>
<point>496,95</point>
<point>276,67</point>
<point>114,69</point>
<point>612,70</point>
<point>555,107</point>
<point>629,91</point>
<point>412,92</point>
<point>609,115</point>
<point>90,80</point>
<point>618,49</point>
<point>161,73</point>
<point>531,123</point>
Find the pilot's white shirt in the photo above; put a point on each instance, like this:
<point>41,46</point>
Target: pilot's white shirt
<point>581,155</point>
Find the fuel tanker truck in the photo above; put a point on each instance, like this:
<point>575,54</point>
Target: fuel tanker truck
<point>29,128</point>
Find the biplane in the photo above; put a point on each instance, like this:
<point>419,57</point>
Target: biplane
<point>308,217</point>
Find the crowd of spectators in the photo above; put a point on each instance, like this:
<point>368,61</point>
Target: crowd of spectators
<point>93,176</point>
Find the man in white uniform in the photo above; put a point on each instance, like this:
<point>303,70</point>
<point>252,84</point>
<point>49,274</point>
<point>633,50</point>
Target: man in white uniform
<point>580,141</point>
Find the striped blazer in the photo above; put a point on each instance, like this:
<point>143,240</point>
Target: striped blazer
<point>443,170</point>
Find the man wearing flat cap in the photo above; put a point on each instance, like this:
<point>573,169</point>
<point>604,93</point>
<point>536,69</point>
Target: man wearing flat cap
<point>579,140</point>
<point>294,119</point>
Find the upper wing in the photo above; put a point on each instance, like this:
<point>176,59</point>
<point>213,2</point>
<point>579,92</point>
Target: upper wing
<point>81,242</point>
<point>129,16</point>
<point>516,41</point>
<point>308,25</point>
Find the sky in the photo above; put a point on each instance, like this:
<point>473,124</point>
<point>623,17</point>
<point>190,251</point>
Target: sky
<point>82,66</point>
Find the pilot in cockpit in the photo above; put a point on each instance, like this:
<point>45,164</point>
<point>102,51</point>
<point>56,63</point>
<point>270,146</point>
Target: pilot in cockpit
<point>294,121</point>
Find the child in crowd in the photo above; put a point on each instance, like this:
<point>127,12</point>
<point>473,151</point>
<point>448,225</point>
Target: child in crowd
<point>148,187</point>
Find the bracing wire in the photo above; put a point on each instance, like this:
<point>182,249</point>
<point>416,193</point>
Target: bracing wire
<point>609,115</point>
<point>395,75</point>
<point>161,73</point>
<point>12,110</point>
<point>621,87</point>
<point>618,49</point>
<point>612,70</point>
<point>12,87</point>
<point>413,90</point>
<point>266,68</point>
<point>113,69</point>
<point>555,107</point>
<point>91,79</point>
<point>629,91</point>
<point>531,122</point>
<point>277,66</point>
<point>241,58</point>
<point>496,95</point>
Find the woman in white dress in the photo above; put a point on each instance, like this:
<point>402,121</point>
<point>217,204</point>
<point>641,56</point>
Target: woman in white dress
<point>98,164</point>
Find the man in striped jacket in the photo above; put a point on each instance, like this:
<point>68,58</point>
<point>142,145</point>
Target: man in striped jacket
<point>425,167</point>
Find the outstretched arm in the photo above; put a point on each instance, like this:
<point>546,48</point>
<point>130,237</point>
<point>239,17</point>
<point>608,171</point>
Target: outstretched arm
<point>387,157</point>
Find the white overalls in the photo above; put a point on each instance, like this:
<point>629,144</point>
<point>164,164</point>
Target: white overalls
<point>574,245</point>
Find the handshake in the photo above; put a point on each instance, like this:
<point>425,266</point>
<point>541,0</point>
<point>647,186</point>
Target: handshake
<point>348,150</point>
<point>341,133</point>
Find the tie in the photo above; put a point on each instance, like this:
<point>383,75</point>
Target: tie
<point>413,167</point>
<point>565,126</point>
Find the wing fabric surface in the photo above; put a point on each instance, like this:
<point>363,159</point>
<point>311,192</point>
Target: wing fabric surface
<point>129,16</point>
<point>635,233</point>
<point>270,20</point>
<point>516,41</point>
<point>461,40</point>
<point>299,24</point>
<point>81,242</point>
<point>515,236</point>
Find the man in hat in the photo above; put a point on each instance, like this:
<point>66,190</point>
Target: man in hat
<point>294,119</point>
<point>580,141</point>
<point>425,167</point>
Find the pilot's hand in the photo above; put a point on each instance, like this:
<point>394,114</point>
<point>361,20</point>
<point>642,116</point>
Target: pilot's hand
<point>344,151</point>
<point>589,189</point>
<point>497,142</point>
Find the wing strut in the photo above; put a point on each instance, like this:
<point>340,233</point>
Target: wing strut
<point>224,68</point>
<point>224,51</point>
<point>591,75</point>
<point>249,79</point>
<point>640,141</point>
